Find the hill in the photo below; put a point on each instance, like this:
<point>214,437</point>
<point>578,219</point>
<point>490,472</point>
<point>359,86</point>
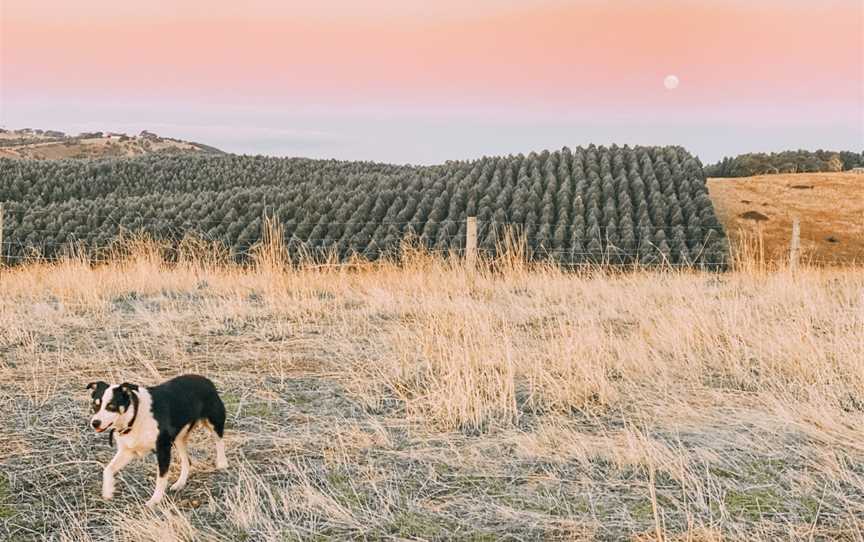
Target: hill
<point>588,205</point>
<point>830,207</point>
<point>54,145</point>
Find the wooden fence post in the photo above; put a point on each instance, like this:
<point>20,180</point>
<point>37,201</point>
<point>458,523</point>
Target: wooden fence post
<point>471,241</point>
<point>795,246</point>
<point>2,246</point>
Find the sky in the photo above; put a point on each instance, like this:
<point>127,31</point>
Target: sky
<point>412,81</point>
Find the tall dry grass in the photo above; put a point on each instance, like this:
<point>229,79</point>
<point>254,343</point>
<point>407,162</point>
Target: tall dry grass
<point>423,400</point>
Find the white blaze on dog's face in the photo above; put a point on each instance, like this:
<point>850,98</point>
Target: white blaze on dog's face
<point>111,405</point>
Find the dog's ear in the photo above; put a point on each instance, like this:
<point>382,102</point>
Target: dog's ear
<point>96,385</point>
<point>126,387</point>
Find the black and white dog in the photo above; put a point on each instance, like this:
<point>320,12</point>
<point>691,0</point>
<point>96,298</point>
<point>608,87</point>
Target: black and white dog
<point>156,418</point>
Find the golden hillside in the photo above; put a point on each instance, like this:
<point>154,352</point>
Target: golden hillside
<point>830,207</point>
<point>53,145</point>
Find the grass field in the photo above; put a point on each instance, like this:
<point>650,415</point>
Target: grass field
<point>425,402</point>
<point>830,207</point>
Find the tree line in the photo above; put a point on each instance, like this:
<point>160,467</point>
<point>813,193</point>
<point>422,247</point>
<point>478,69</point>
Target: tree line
<point>593,204</point>
<point>800,161</point>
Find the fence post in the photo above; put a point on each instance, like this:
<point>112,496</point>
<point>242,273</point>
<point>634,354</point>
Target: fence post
<point>471,241</point>
<point>795,246</point>
<point>2,246</point>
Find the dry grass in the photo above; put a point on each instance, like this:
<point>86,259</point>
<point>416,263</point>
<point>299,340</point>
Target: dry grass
<point>829,205</point>
<point>425,402</point>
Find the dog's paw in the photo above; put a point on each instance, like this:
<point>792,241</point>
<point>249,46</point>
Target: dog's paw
<point>152,503</point>
<point>221,463</point>
<point>107,489</point>
<point>177,486</point>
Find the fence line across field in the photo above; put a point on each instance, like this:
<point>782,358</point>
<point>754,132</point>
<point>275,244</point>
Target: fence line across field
<point>485,224</point>
<point>481,226</point>
<point>518,229</point>
<point>457,251</point>
<point>347,264</point>
<point>317,242</point>
<point>601,262</point>
<point>469,252</point>
<point>470,249</point>
<point>269,211</point>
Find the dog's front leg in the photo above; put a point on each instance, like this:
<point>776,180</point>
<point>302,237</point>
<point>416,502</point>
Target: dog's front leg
<point>121,459</point>
<point>163,456</point>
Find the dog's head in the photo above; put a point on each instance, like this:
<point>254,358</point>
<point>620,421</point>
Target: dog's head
<point>112,405</point>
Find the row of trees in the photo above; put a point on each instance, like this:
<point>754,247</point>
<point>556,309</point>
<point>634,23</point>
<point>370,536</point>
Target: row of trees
<point>594,204</point>
<point>800,161</point>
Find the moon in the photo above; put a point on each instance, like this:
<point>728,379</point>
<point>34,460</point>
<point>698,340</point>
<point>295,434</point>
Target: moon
<point>671,82</point>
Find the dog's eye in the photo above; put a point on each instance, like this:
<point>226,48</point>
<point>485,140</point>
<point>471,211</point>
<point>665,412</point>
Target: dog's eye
<point>111,406</point>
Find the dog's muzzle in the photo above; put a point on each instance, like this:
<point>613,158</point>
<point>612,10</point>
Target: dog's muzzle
<point>97,425</point>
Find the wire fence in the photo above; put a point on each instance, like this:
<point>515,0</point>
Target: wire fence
<point>528,232</point>
<point>132,216</point>
<point>567,245</point>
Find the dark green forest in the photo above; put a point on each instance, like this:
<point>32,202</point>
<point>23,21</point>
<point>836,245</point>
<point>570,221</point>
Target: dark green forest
<point>800,161</point>
<point>613,205</point>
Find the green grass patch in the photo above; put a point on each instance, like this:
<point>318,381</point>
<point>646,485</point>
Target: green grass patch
<point>415,524</point>
<point>547,501</point>
<point>643,511</point>
<point>248,408</point>
<point>753,504</point>
<point>6,510</point>
<point>339,485</point>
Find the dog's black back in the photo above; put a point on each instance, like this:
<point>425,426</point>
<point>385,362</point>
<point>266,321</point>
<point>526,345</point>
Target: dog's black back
<point>185,400</point>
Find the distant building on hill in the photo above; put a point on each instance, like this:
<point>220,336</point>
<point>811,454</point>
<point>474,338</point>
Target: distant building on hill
<point>859,170</point>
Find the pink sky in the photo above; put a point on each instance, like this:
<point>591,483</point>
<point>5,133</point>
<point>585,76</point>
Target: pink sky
<point>770,62</point>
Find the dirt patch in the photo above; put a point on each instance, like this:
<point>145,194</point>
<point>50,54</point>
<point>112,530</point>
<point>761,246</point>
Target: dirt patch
<point>754,215</point>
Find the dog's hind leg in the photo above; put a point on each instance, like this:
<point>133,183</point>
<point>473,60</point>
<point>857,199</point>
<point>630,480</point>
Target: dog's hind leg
<point>216,422</point>
<point>121,459</point>
<point>180,443</point>
<point>163,456</point>
<point>221,460</point>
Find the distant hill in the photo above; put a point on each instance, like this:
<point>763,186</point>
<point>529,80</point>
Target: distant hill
<point>800,161</point>
<point>30,144</point>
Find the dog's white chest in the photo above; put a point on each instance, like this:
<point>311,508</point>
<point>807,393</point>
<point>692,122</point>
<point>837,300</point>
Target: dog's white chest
<point>139,449</point>
<point>141,440</point>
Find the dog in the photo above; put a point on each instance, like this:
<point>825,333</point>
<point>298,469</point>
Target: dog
<point>157,418</point>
